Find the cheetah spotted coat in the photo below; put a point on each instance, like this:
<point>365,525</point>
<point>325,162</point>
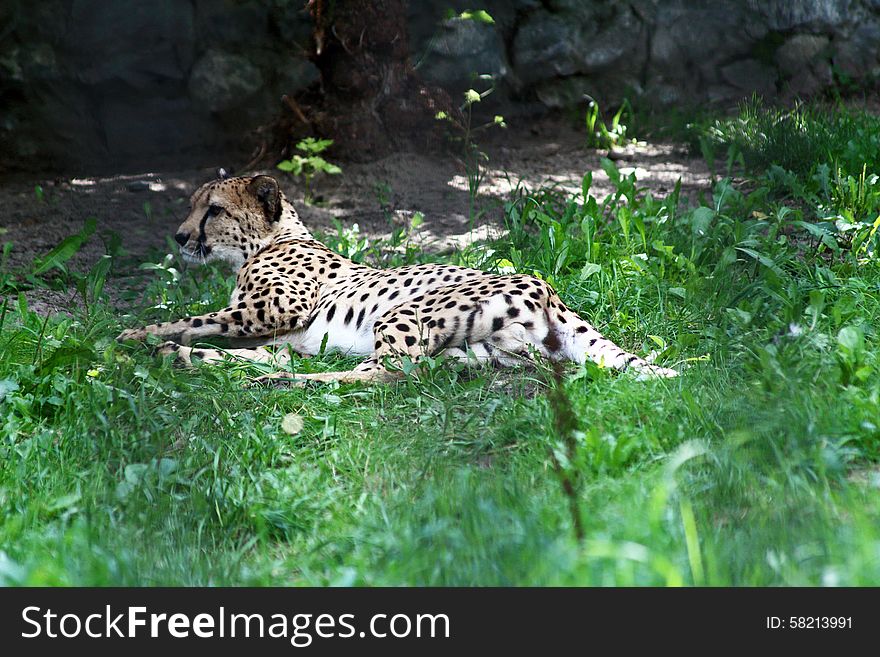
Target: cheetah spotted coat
<point>293,291</point>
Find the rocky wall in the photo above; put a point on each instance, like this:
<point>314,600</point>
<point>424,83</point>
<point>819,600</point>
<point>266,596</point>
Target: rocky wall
<point>155,83</point>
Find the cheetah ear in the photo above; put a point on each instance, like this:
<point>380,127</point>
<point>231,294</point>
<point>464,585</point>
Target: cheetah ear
<point>266,191</point>
<point>222,174</point>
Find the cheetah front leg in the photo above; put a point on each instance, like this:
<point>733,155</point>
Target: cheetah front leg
<point>289,310</point>
<point>229,322</point>
<point>185,354</point>
<point>370,371</point>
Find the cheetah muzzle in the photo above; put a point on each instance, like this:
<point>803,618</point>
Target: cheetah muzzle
<point>295,294</point>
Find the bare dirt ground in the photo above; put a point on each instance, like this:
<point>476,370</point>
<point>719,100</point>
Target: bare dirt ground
<point>145,209</point>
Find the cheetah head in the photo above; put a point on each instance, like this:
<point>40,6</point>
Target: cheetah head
<point>230,219</point>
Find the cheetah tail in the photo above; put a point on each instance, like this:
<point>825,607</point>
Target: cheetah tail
<point>582,342</point>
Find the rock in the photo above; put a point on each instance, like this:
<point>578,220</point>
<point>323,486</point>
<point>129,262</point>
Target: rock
<point>130,42</point>
<point>220,81</point>
<point>38,62</point>
<point>809,80</point>
<point>70,129</point>
<point>569,92</point>
<point>818,15</point>
<point>547,45</point>
<point>799,51</point>
<point>461,50</point>
<point>859,55</point>
<point>48,17</point>
<point>99,82</point>
<point>10,67</point>
<point>580,10</point>
<point>721,94</point>
<point>750,76</point>
<point>666,52</point>
<point>135,126</point>
<point>621,39</point>
<point>705,35</point>
<point>226,23</point>
<point>581,38</point>
<point>577,91</point>
<point>666,94</point>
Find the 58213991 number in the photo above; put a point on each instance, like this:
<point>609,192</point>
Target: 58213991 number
<point>809,623</point>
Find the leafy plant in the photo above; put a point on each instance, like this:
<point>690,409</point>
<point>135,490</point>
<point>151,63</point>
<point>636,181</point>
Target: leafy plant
<point>310,164</point>
<point>66,249</point>
<point>473,157</point>
<point>856,198</point>
<point>608,136</point>
<point>476,15</point>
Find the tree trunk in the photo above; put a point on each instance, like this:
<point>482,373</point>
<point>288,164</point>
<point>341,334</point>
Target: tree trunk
<point>370,100</point>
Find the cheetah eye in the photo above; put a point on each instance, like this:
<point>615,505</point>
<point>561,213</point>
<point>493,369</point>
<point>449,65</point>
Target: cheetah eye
<point>214,210</point>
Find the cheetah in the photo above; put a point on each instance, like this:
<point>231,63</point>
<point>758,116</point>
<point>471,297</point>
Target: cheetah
<point>294,294</point>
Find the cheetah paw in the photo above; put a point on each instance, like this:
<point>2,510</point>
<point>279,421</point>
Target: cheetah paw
<point>180,353</point>
<point>168,348</point>
<point>279,379</point>
<point>655,371</point>
<point>137,334</point>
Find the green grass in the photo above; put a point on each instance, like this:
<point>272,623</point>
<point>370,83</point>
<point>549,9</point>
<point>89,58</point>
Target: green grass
<point>758,466</point>
<point>801,139</point>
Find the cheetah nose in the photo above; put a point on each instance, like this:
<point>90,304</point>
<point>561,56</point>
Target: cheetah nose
<point>182,238</point>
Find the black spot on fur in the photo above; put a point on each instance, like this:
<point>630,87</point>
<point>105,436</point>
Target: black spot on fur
<point>551,341</point>
<point>470,321</point>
